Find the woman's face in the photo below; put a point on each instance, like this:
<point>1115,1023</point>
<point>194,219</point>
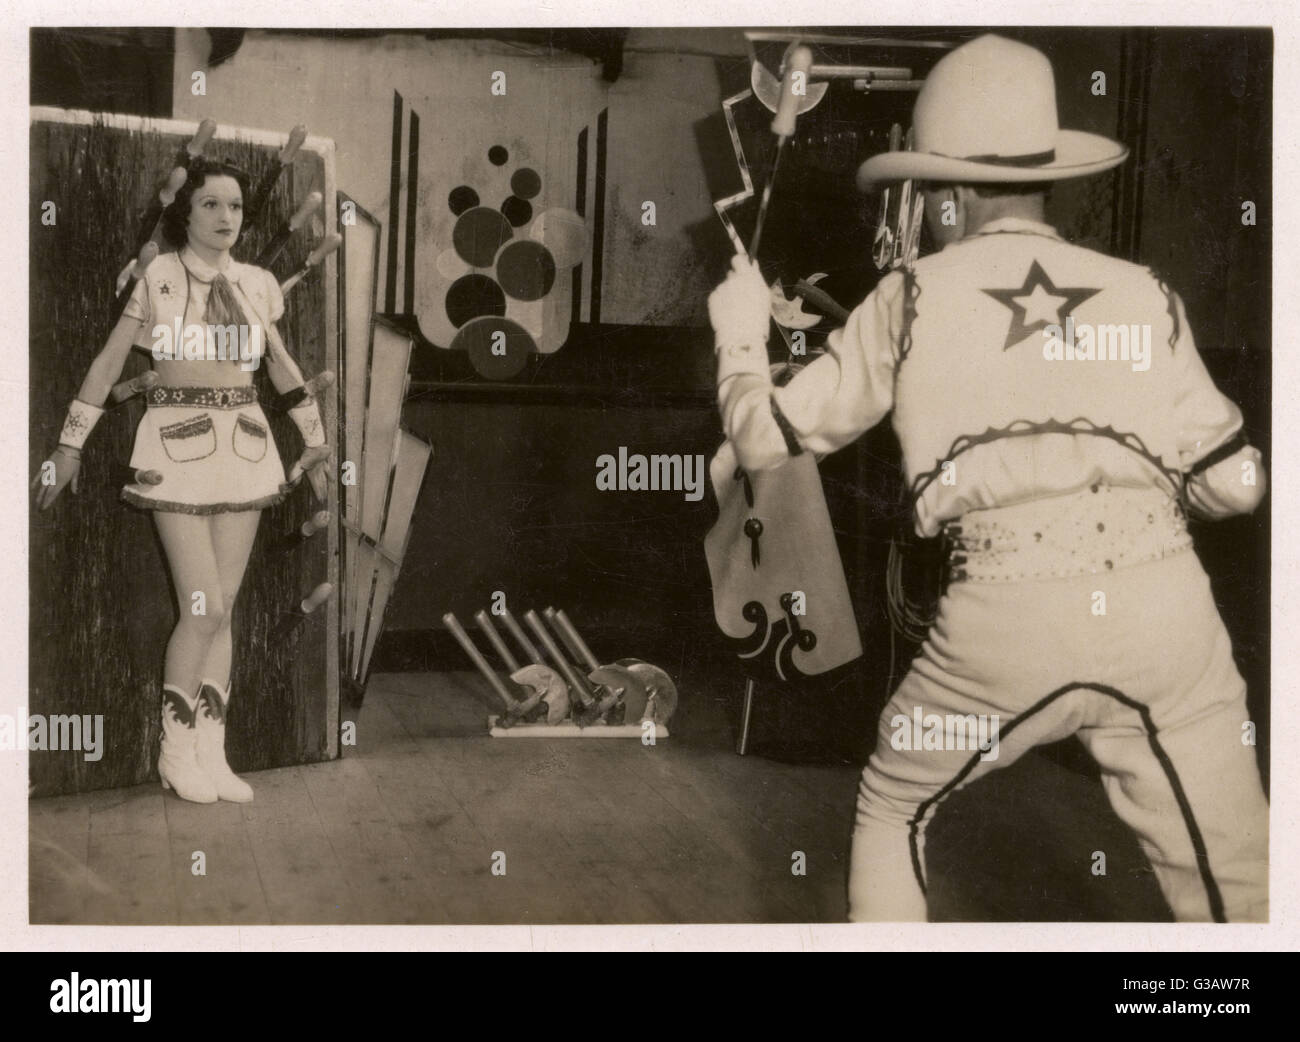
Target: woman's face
<point>216,213</point>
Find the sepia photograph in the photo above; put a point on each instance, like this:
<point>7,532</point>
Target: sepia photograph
<point>648,475</point>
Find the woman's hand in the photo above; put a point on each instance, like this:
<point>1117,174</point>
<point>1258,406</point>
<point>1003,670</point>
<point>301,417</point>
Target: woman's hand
<point>313,463</point>
<point>66,464</point>
<point>740,307</point>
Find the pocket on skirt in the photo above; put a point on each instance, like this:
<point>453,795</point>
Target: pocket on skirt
<point>189,440</point>
<point>249,439</point>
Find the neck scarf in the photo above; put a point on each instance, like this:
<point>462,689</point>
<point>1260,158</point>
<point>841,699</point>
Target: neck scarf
<point>223,308</point>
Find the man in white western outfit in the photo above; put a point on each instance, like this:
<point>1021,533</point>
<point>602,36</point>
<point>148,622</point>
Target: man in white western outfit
<point>1056,423</point>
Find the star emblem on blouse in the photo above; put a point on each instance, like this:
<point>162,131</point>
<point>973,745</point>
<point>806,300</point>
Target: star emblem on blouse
<point>165,288</point>
<point>1038,303</point>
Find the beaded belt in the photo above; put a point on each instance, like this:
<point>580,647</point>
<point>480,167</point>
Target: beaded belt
<point>1096,530</point>
<point>204,397</point>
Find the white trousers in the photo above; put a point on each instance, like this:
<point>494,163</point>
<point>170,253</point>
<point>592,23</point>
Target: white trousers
<point>1151,689</point>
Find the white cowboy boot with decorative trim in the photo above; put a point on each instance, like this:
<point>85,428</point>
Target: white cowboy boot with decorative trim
<point>178,766</point>
<point>211,721</point>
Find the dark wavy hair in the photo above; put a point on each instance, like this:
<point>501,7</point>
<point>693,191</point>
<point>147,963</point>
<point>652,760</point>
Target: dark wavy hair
<point>176,218</point>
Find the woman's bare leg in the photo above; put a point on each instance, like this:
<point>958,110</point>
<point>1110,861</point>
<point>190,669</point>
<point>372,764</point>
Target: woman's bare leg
<point>191,557</point>
<point>232,540</point>
<point>187,542</point>
<point>232,536</point>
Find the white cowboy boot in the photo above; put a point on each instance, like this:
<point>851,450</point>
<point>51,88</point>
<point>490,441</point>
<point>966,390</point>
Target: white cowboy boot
<point>211,719</point>
<point>178,766</point>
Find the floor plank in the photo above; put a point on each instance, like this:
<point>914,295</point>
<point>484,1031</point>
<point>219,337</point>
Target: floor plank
<point>368,843</point>
<point>130,852</point>
<point>301,878</point>
<point>59,882</point>
<point>229,890</point>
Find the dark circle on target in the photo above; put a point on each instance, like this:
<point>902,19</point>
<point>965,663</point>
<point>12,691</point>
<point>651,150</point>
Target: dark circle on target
<point>498,156</point>
<point>517,211</point>
<point>525,183</point>
<point>474,296</point>
<point>461,199</point>
<point>476,339</point>
<point>478,234</point>
<point>526,270</point>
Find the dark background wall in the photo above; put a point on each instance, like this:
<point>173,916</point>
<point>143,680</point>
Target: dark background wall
<point>1208,148</point>
<point>106,70</point>
<point>511,503</point>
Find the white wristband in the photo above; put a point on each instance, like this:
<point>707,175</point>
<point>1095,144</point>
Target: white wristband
<point>306,416</point>
<point>740,357</point>
<point>82,417</point>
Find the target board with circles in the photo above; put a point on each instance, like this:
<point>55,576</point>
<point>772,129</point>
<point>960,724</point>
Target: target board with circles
<point>506,248</point>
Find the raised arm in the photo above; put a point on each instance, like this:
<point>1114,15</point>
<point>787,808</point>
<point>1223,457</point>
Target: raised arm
<point>830,402</point>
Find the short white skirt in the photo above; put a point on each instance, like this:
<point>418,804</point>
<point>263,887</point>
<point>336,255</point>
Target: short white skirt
<point>214,450</point>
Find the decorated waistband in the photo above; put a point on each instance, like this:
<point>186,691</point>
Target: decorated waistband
<point>1092,531</point>
<point>203,397</point>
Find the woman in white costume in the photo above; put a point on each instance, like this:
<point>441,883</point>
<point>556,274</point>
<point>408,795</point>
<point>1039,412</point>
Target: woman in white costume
<point>206,441</point>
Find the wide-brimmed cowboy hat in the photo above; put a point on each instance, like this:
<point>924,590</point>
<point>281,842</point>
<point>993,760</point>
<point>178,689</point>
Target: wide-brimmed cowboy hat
<point>987,112</point>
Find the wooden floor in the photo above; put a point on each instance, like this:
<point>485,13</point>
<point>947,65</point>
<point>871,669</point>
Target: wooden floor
<point>404,829</point>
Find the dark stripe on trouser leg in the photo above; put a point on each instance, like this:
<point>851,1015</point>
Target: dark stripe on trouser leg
<point>1193,830</point>
<point>1180,796</point>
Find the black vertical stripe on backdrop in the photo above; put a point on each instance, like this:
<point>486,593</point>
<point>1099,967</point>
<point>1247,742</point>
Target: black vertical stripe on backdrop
<point>394,212</point>
<point>412,196</point>
<point>580,207</point>
<point>1135,89</point>
<point>598,231</point>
